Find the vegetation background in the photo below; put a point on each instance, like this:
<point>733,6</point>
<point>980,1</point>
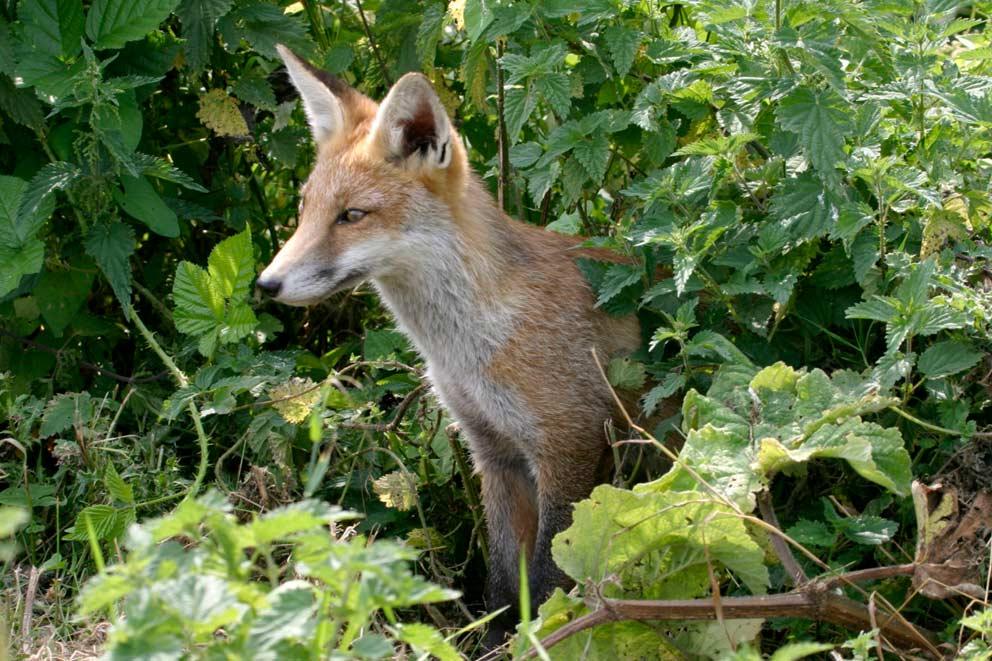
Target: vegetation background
<point>818,173</point>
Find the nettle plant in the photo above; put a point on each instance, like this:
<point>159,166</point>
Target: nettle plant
<point>801,185</point>
<point>289,584</point>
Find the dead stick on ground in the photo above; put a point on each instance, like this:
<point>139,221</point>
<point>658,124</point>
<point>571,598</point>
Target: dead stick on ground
<point>29,609</point>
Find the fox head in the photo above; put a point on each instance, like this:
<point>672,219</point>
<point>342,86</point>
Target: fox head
<point>387,181</point>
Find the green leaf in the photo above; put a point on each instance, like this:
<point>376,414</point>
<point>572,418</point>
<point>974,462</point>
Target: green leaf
<point>105,521</point>
<point>617,278</point>
<point>15,263</point>
<point>803,211</point>
<point>667,532</point>
<point>947,358</point>
<point>113,23</point>
<point>254,88</point>
<point>812,533</point>
<point>556,89</point>
<point>800,650</point>
<point>626,374</point>
<point>877,308</point>
<point>199,304</point>
<point>54,27</point>
<point>20,104</point>
<point>425,639</point>
<point>478,16</point>
<point>623,43</point>
<point>519,103</point>
<point>37,204</point>
<point>111,245</point>
<point>141,201</point>
<point>116,485</point>
<point>672,383</point>
<point>287,616</point>
<point>199,17</point>
<point>822,120</point>
<point>232,265</point>
<point>60,295</point>
<point>65,410</point>
<point>381,344</point>
<point>264,25</point>
<point>594,155</point>
<point>525,154</point>
<point>428,34</point>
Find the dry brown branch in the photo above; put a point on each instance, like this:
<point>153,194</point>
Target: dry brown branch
<point>813,602</point>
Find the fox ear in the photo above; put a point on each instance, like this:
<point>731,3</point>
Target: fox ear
<point>321,92</point>
<point>412,124</point>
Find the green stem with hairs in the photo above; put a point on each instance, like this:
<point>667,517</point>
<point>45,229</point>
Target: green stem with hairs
<point>183,381</point>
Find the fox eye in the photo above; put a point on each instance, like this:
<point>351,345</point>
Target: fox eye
<point>350,216</point>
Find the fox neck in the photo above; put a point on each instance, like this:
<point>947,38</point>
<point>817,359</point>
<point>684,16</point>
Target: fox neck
<point>446,299</point>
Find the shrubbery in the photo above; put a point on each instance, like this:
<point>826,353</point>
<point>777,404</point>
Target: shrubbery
<point>814,177</point>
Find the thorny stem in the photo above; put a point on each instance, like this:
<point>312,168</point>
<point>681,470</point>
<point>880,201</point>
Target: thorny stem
<point>183,381</point>
<point>473,498</point>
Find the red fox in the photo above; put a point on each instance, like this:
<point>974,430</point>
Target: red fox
<point>497,308</point>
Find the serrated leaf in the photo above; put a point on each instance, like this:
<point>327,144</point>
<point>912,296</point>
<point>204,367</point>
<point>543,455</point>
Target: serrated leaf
<point>231,265</point>
<point>594,155</point>
<point>219,112</point>
<point>803,210</point>
<point>948,358</point>
<point>397,489</point>
<point>525,154</point>
<point>429,33</point>
<point>626,374</point>
<point>105,522</point>
<point>822,121</point>
<point>199,305</point>
<point>199,17</point>
<point>557,91</point>
<point>254,88</point>
<point>116,485</point>
<point>141,201</point>
<point>425,639</point>
<point>263,25</point>
<point>37,204</point>
<point>519,103</point>
<point>113,23</point>
<point>622,43</point>
<point>616,279</point>
<point>111,245</point>
<point>53,27</point>
<point>672,383</point>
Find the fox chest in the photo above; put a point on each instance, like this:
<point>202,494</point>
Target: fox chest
<point>495,419</point>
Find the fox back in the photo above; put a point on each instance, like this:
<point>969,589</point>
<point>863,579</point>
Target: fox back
<point>498,309</point>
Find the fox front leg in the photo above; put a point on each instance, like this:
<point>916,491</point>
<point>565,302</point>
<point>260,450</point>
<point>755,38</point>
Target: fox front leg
<point>509,499</point>
<point>563,479</point>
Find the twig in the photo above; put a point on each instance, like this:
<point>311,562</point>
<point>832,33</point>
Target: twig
<point>863,575</point>
<point>782,549</point>
<point>29,596</point>
<point>502,137</point>
<point>372,44</point>
<point>475,507</point>
<point>810,602</point>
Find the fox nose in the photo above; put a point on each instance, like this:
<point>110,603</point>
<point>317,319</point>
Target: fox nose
<point>269,286</point>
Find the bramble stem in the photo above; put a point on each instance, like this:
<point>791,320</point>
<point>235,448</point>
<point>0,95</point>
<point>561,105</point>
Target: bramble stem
<point>194,412</point>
